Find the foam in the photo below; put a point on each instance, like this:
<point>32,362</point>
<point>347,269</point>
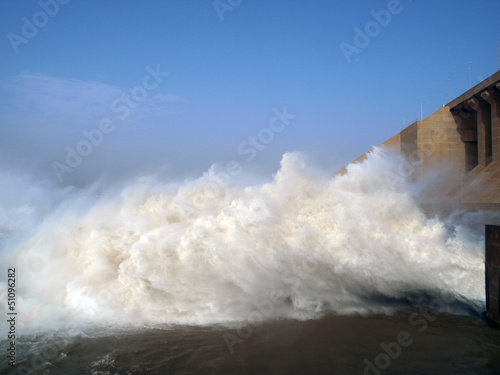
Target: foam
<point>202,253</point>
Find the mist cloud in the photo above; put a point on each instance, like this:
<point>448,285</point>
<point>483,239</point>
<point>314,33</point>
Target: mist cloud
<point>42,115</point>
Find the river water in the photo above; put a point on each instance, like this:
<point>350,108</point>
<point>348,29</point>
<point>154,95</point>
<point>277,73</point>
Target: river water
<point>302,273</point>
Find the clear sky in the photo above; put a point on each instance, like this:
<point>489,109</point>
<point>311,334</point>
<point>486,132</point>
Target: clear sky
<point>329,78</point>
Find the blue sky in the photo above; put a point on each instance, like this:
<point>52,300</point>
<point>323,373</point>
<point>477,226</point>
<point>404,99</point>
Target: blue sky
<point>229,71</point>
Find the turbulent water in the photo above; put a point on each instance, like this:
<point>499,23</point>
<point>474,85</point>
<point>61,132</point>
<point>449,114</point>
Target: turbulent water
<point>213,253</point>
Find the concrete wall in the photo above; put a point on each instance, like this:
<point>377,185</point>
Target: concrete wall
<point>463,135</point>
<point>394,143</point>
<point>439,140</point>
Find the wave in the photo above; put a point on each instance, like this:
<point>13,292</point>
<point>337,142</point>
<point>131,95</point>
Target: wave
<point>205,251</point>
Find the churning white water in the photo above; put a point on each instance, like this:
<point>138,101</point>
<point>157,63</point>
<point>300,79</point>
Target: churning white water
<point>201,252</point>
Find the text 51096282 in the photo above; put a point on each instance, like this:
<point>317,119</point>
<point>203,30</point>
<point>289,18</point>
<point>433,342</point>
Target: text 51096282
<point>11,316</point>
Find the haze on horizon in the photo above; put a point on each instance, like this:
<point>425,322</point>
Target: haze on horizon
<point>178,86</point>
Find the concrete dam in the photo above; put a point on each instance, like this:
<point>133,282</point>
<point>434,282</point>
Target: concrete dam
<point>463,136</point>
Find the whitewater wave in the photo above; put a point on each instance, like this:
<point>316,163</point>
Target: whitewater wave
<point>203,252</point>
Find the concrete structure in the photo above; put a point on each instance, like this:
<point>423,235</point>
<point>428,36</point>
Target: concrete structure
<point>461,142</point>
<point>492,275</point>
<point>465,136</point>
